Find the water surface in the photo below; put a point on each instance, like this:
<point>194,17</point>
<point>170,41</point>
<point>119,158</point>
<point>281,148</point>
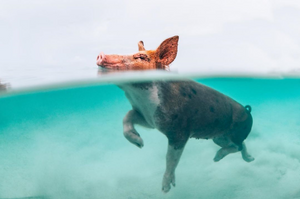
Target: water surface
<point>67,142</point>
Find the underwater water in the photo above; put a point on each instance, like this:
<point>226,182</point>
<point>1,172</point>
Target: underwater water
<point>68,143</point>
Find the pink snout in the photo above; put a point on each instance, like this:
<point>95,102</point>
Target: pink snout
<point>100,59</point>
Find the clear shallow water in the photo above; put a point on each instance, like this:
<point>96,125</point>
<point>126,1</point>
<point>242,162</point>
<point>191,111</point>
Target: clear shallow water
<point>68,143</point>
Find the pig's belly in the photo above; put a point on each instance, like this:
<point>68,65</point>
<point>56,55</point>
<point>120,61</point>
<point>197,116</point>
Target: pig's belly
<point>208,134</point>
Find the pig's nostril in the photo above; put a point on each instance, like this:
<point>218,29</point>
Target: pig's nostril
<point>102,55</point>
<point>100,59</point>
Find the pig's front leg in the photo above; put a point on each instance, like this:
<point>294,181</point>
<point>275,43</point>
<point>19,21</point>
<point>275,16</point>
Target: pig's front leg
<point>132,118</point>
<point>173,157</point>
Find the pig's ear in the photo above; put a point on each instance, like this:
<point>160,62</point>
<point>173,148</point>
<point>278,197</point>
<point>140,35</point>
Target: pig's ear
<point>141,46</point>
<point>167,51</point>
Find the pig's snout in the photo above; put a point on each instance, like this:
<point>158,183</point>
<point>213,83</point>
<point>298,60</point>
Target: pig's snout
<point>114,62</point>
<point>100,59</point>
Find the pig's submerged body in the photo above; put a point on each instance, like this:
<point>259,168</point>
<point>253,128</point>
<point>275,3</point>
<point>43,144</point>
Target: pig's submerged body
<point>184,109</point>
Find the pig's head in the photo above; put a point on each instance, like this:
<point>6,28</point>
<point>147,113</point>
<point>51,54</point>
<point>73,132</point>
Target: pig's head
<point>144,59</point>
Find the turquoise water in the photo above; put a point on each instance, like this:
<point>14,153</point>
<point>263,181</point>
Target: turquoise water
<point>68,143</point>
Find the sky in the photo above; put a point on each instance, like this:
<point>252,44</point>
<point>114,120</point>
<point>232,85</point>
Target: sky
<point>51,40</point>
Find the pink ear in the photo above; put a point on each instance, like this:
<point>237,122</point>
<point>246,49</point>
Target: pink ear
<point>141,46</point>
<point>167,51</point>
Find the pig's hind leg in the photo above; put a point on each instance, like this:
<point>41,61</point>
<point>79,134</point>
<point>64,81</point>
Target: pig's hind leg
<point>130,133</point>
<point>229,147</point>
<point>246,156</point>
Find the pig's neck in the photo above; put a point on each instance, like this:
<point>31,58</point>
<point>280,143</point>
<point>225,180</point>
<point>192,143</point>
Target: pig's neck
<point>144,98</point>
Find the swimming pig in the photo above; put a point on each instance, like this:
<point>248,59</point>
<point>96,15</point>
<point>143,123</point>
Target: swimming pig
<point>179,109</point>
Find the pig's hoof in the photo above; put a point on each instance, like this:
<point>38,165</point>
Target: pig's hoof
<point>167,181</point>
<point>134,138</point>
<point>219,156</point>
<point>139,143</point>
<point>248,158</point>
<point>217,159</point>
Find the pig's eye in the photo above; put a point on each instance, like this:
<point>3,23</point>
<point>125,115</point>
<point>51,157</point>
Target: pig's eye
<point>141,57</point>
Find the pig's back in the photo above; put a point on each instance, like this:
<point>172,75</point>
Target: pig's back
<point>195,109</point>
